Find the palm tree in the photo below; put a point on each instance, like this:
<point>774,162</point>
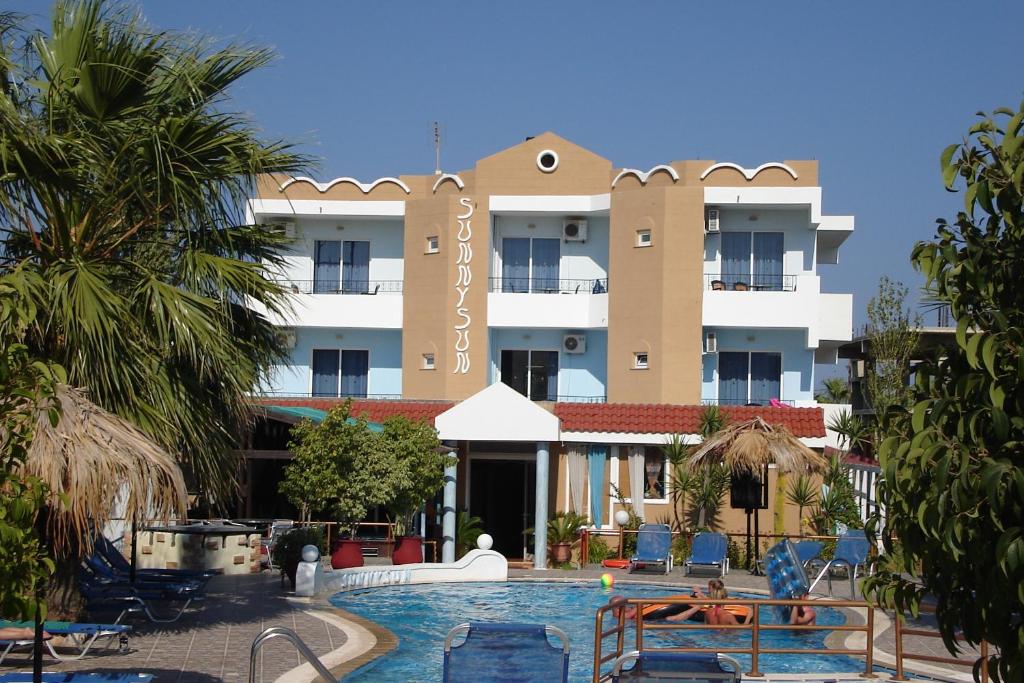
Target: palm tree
<point>123,180</point>
<point>853,433</point>
<point>837,390</point>
<point>802,493</point>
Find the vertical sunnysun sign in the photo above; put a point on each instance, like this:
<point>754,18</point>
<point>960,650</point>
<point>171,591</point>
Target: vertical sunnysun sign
<point>463,280</point>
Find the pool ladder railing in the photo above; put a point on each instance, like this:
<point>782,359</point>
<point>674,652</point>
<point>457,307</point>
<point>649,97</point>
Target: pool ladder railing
<point>294,639</point>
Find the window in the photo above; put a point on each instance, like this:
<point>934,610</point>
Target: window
<point>341,267</point>
<point>752,260</point>
<point>355,273</point>
<point>428,361</point>
<point>533,374</point>
<point>433,246</point>
<point>640,360</point>
<point>530,264</point>
<point>749,378</point>
<point>656,474</point>
<point>340,373</point>
<point>643,238</point>
<point>326,266</point>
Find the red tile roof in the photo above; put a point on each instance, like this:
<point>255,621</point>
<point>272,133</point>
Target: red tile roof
<point>374,410</point>
<point>661,418</point>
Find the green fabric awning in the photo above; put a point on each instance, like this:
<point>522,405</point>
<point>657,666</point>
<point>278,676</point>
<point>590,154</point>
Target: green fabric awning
<point>296,413</point>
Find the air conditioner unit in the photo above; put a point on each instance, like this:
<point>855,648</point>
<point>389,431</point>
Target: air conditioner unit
<point>288,337</point>
<point>712,221</point>
<point>290,231</point>
<point>574,343</point>
<point>710,343</point>
<point>859,369</point>
<point>574,230</point>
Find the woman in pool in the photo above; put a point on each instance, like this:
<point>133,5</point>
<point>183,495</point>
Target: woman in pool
<point>801,615</point>
<point>716,614</point>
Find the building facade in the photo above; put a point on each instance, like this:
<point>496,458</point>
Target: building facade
<point>549,270</point>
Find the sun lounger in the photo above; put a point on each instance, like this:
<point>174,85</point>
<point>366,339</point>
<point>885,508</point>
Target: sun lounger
<point>101,596</point>
<point>80,637</point>
<point>26,677</point>
<point>653,547</point>
<point>676,666</point>
<point>103,572</point>
<point>852,554</point>
<point>503,652</point>
<point>709,550</point>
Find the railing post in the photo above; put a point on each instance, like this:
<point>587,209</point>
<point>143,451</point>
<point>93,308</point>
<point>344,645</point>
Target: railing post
<point>869,657</point>
<point>598,643</point>
<point>584,548</point>
<point>755,636</point>
<point>622,540</point>
<point>984,661</point>
<point>899,647</point>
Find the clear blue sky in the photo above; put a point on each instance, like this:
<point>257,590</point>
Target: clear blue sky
<point>873,90</point>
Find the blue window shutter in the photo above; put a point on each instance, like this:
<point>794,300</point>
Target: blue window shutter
<point>595,463</point>
<point>325,372</point>
<point>515,264</point>
<point>732,378</point>
<point>768,254</point>
<point>735,258</point>
<point>355,366</point>
<point>356,271</point>
<point>326,266</point>
<point>546,254</point>
<point>765,377</point>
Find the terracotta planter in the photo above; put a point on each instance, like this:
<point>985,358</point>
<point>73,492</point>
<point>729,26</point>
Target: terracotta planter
<point>408,551</point>
<point>347,553</point>
<point>561,553</point>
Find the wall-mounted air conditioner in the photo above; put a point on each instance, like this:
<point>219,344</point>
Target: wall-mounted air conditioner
<point>859,368</point>
<point>712,224</point>
<point>710,343</point>
<point>288,337</point>
<point>574,343</point>
<point>574,230</point>
<point>290,231</point>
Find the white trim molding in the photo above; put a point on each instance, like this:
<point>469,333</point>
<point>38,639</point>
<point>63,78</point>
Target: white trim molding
<point>643,177</point>
<point>558,204</point>
<point>454,177</point>
<point>365,187</point>
<point>748,173</point>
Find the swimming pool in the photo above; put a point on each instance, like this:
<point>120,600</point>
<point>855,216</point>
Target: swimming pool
<point>422,615</point>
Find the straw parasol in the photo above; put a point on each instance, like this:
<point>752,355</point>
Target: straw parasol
<point>746,447</point>
<point>91,458</point>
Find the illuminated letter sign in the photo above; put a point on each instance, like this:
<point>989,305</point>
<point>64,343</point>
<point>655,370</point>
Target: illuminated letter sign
<point>462,282</point>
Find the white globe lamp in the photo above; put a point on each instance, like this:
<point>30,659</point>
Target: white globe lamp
<point>310,553</point>
<point>622,518</point>
<point>484,541</point>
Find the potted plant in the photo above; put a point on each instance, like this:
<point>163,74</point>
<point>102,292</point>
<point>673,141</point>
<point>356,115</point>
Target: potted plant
<point>467,530</point>
<point>563,530</point>
<point>287,551</point>
<point>339,466</point>
<point>419,462</point>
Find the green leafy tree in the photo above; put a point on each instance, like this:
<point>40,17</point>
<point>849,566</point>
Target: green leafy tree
<point>467,529</point>
<point>802,493</point>
<point>123,180</point>
<point>953,464</point>
<point>25,382</point>
<point>853,433</point>
<point>837,390</point>
<point>893,332</point>
<point>419,466</point>
<point>340,466</point>
<point>697,493</point>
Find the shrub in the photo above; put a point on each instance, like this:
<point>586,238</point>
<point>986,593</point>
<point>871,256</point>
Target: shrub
<point>598,550</point>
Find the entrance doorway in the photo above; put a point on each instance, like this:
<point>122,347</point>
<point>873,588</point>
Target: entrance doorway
<point>502,494</point>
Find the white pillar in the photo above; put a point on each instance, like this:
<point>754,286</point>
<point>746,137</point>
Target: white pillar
<point>540,515</point>
<point>448,512</point>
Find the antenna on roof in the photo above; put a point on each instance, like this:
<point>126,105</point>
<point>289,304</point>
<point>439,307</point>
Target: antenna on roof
<point>437,148</point>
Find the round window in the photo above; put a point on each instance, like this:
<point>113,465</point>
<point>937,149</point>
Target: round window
<point>547,160</point>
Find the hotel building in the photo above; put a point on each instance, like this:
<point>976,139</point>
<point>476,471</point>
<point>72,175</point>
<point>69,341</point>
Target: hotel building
<point>557,317</point>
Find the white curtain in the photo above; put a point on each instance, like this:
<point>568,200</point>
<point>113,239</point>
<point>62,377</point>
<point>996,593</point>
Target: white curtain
<point>637,478</point>
<point>577,455</point>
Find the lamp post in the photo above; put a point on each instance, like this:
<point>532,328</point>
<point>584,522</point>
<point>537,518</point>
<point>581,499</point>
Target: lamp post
<point>622,519</point>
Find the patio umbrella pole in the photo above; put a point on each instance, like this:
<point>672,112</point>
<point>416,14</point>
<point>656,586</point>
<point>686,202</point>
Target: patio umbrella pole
<point>134,556</point>
<point>748,511</point>
<point>37,645</point>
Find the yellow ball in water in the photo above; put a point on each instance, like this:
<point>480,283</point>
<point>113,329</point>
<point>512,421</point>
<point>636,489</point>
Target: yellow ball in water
<point>607,580</point>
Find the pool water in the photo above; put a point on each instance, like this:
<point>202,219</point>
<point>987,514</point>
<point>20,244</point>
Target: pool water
<point>422,615</point>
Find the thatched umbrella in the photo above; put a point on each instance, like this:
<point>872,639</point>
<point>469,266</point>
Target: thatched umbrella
<point>95,458</point>
<point>746,447</point>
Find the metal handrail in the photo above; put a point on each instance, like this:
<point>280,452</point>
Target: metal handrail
<point>901,654</point>
<point>530,285</point>
<point>293,638</point>
<point>754,626</point>
<point>749,282</point>
<point>354,288</point>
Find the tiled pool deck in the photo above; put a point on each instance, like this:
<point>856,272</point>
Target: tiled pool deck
<point>211,643</point>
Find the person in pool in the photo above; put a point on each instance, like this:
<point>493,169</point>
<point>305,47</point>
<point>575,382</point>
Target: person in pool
<point>715,615</point>
<point>801,615</point>
<point>712,614</point>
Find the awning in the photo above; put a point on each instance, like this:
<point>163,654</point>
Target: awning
<point>293,414</point>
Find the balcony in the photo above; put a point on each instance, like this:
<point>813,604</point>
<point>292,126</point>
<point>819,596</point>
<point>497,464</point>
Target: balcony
<point>361,287</point>
<point>535,303</point>
<point>745,282</point>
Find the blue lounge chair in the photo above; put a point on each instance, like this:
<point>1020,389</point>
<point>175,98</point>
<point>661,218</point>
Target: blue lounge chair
<point>26,677</point>
<point>653,547</point>
<point>81,637</point>
<point>808,551</point>
<point>108,553</point>
<point>852,553</point>
<point>505,652</point>
<point>103,572</point>
<point>107,595</point>
<point>709,550</point>
<point>676,666</point>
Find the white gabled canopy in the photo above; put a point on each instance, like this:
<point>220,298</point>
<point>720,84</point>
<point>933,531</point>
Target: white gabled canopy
<point>497,413</point>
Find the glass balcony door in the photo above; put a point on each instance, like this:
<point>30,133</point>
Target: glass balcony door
<point>533,374</point>
<point>530,264</point>
<point>341,267</point>
<point>753,259</point>
<point>749,377</point>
